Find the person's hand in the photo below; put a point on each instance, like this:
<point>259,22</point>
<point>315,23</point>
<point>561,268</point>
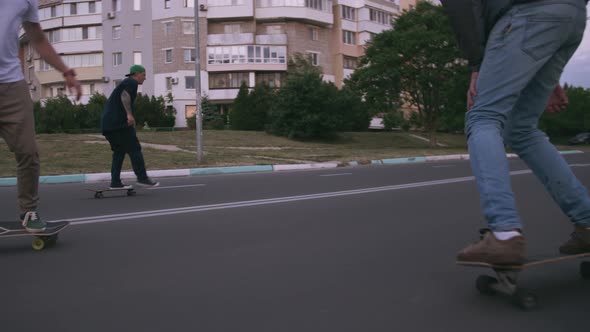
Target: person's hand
<point>130,120</point>
<point>558,101</point>
<point>472,92</point>
<point>72,84</point>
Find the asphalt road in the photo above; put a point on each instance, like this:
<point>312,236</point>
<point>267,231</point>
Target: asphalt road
<point>347,249</point>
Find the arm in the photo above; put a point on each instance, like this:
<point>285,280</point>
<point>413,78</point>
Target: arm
<point>47,52</point>
<point>126,100</point>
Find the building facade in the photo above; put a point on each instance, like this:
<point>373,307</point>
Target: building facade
<point>240,41</point>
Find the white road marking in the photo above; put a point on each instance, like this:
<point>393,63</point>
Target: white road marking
<point>337,174</point>
<point>268,201</point>
<point>174,187</point>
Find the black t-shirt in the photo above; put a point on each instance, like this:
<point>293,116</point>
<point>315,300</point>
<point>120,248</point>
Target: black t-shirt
<point>114,115</point>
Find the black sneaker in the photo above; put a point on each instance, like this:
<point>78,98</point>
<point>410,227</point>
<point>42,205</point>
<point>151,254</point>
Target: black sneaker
<point>120,185</point>
<point>148,182</point>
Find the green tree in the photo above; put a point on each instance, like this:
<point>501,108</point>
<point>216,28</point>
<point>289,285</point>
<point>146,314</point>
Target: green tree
<point>573,120</point>
<point>306,107</point>
<point>240,117</point>
<point>356,115</point>
<point>153,111</point>
<point>416,63</point>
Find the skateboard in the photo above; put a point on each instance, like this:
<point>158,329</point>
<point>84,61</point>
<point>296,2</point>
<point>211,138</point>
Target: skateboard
<point>506,280</point>
<point>42,240</point>
<point>100,193</point>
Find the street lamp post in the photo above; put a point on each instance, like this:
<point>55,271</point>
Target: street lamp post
<point>199,115</point>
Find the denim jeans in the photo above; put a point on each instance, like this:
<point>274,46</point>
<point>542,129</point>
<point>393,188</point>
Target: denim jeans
<point>124,141</point>
<point>524,58</point>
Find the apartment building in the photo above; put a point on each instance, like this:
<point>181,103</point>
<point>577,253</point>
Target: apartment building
<point>240,41</point>
<point>75,30</point>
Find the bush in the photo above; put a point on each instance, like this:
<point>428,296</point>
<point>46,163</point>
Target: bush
<point>306,107</point>
<point>153,111</point>
<point>212,117</point>
<point>354,111</point>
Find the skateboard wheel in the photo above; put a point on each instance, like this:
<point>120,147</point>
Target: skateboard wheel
<point>131,192</point>
<point>525,300</point>
<point>98,195</point>
<point>51,240</point>
<point>38,244</point>
<point>484,284</point>
<point>585,270</point>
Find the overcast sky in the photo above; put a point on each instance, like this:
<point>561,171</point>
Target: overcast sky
<point>577,71</point>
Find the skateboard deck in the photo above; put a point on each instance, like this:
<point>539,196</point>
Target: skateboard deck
<point>100,192</point>
<point>506,280</point>
<point>42,239</point>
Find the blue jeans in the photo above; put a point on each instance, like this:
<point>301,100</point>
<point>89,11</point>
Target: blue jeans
<point>524,58</point>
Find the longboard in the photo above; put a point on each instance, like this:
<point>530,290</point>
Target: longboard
<point>42,239</point>
<point>100,193</point>
<point>506,278</point>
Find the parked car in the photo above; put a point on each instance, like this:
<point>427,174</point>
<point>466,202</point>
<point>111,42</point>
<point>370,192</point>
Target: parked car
<point>582,138</point>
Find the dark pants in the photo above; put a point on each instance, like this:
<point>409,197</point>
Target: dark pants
<point>124,141</point>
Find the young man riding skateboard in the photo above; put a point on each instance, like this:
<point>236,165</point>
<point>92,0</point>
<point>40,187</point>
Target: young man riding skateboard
<point>517,50</point>
<point>118,126</point>
<point>17,123</point>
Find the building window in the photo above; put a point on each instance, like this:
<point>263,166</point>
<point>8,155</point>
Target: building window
<point>117,32</point>
<point>190,55</point>
<point>380,16</point>
<point>73,9</point>
<point>189,3</point>
<point>273,80</point>
<point>316,4</point>
<point>189,82</point>
<point>92,7</point>
<point>232,28</point>
<point>168,83</point>
<point>274,29</point>
<point>137,58</point>
<point>137,31</point>
<point>188,27</point>
<point>54,36</point>
<point>313,33</point>
<point>227,80</point>
<point>168,56</point>
<point>167,4</point>
<point>349,62</point>
<point>348,37</point>
<point>117,5</point>
<point>314,58</point>
<point>92,88</point>
<point>348,13</point>
<point>117,59</point>
<point>246,54</point>
<point>167,29</point>
<point>137,5</point>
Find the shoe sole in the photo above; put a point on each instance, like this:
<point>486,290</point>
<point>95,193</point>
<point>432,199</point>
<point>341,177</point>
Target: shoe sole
<point>148,185</point>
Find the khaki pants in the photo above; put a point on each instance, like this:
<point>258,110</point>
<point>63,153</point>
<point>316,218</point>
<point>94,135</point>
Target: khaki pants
<point>17,128</point>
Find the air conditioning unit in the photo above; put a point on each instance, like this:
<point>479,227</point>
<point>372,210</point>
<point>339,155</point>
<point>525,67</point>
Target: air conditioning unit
<point>33,88</point>
<point>174,80</point>
<point>203,8</point>
<point>106,79</point>
<point>111,15</point>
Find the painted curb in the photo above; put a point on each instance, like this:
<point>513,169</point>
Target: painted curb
<point>101,177</point>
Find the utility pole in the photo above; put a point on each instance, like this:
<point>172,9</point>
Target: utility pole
<point>199,110</point>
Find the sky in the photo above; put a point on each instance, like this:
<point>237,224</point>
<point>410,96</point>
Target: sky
<point>577,71</point>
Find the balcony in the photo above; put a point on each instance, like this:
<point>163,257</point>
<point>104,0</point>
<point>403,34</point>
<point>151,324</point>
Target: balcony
<point>278,39</point>
<point>313,11</point>
<point>230,39</point>
<point>224,9</point>
<point>247,57</point>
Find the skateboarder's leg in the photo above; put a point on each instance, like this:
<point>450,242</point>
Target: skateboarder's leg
<point>116,140</point>
<point>519,46</point>
<point>137,161</point>
<point>17,128</point>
